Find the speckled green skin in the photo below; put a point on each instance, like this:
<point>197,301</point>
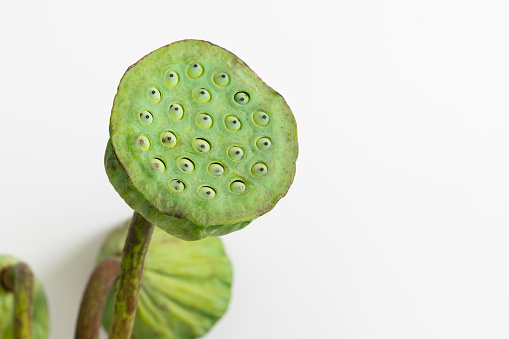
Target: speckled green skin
<point>187,214</point>
<point>41,321</point>
<point>185,287</point>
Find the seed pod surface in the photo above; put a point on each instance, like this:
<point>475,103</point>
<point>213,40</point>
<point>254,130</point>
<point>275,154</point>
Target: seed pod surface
<point>185,288</point>
<point>217,112</point>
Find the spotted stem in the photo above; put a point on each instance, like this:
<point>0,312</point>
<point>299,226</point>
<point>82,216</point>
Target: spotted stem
<point>129,280</point>
<point>19,279</point>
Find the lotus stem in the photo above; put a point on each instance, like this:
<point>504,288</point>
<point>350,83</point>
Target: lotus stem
<point>19,279</point>
<point>94,298</point>
<point>129,280</point>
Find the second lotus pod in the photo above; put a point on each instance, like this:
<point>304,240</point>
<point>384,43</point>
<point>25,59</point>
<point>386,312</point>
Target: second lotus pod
<point>185,287</point>
<point>40,319</point>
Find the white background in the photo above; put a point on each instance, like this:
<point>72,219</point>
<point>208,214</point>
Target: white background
<point>397,223</point>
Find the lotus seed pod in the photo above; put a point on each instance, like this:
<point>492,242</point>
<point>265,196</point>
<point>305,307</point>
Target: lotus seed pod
<point>232,132</point>
<point>185,289</point>
<point>40,320</point>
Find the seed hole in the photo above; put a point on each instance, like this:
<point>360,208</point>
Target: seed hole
<point>171,79</point>
<point>186,165</point>
<point>201,145</point>
<point>143,143</point>
<point>259,169</point>
<point>261,118</point>
<point>237,186</point>
<point>204,120</point>
<point>176,111</point>
<point>241,98</point>
<point>207,192</point>
<point>221,79</point>
<point>263,144</point>
<point>146,118</point>
<point>158,165</point>
<point>232,123</point>
<point>154,95</point>
<point>236,153</point>
<point>216,169</point>
<point>202,96</point>
<point>195,70</point>
<point>169,139</point>
<point>177,185</point>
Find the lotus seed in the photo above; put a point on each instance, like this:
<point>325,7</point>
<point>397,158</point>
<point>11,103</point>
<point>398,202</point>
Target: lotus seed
<point>158,165</point>
<point>171,79</point>
<point>261,118</point>
<point>146,118</point>
<point>154,95</point>
<point>221,79</point>
<point>177,185</point>
<point>201,145</point>
<point>201,95</point>
<point>216,169</point>
<point>263,144</point>
<point>195,70</point>
<point>186,165</point>
<point>207,192</point>
<point>232,123</point>
<point>204,120</point>
<point>143,143</point>
<point>241,98</point>
<point>237,186</point>
<point>259,169</point>
<point>169,139</point>
<point>236,153</point>
<point>176,111</point>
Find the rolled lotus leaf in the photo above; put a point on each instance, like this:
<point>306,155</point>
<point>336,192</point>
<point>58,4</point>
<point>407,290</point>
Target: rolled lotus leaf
<point>199,144</point>
<point>185,288</point>
<point>40,321</point>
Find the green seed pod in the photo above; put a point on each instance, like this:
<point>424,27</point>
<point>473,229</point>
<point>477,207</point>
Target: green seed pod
<point>40,320</point>
<point>243,115</point>
<point>185,289</point>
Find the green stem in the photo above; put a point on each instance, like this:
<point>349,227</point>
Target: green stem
<point>129,280</point>
<point>92,303</point>
<point>20,280</point>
